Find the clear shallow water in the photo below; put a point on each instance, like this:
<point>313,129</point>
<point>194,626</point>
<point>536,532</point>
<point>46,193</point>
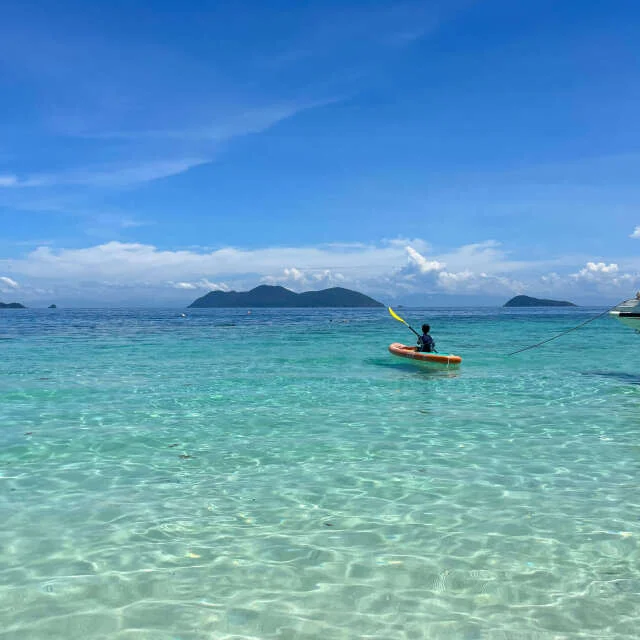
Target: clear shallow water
<point>280,475</point>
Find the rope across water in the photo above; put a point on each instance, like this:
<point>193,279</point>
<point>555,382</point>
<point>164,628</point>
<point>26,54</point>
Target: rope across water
<point>582,324</point>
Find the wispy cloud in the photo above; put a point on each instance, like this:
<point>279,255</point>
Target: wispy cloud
<point>156,111</point>
<point>225,126</point>
<point>203,284</point>
<point>108,176</point>
<point>149,124</point>
<point>358,31</point>
<point>129,172</point>
<point>7,283</point>
<point>636,233</point>
<point>8,181</point>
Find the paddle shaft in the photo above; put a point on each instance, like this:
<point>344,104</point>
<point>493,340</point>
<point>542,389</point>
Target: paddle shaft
<point>412,329</point>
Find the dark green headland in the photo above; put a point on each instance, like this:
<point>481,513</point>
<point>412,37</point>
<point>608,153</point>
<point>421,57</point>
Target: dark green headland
<point>270,296</point>
<point>11,305</point>
<point>527,301</point>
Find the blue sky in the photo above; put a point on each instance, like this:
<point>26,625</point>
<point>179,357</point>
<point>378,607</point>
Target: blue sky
<point>422,152</point>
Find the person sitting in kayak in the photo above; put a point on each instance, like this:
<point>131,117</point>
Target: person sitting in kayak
<point>425,341</point>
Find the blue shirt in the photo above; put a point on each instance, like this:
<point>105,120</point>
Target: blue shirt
<point>426,343</point>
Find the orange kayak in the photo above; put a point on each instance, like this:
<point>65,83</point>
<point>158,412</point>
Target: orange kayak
<point>412,353</point>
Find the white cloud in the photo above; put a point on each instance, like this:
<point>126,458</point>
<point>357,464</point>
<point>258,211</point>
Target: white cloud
<point>8,181</point>
<point>235,123</point>
<point>136,100</point>
<point>117,175</point>
<point>432,276</point>
<point>636,233</point>
<point>389,269</point>
<point>294,274</point>
<point>297,279</point>
<point>326,277</point>
<point>137,261</point>
<point>423,265</point>
<point>594,271</point>
<point>128,265</point>
<point>489,257</point>
<point>551,280</point>
<point>201,284</point>
<point>201,144</point>
<point>213,286</point>
<point>606,278</point>
<point>7,283</point>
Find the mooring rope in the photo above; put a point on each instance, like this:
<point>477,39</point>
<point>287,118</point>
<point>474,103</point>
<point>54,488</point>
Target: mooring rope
<point>582,324</point>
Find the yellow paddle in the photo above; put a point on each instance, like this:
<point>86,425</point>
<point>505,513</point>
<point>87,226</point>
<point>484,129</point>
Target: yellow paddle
<point>399,319</point>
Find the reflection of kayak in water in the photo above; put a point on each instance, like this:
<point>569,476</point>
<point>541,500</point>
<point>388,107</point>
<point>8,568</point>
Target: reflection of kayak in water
<point>428,359</point>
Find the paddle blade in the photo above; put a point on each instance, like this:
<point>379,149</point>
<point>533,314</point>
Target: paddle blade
<point>396,316</point>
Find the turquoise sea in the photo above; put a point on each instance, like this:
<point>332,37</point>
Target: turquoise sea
<point>277,474</point>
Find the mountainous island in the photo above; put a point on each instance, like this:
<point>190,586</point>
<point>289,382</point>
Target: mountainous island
<point>276,296</point>
<point>11,305</point>
<point>527,301</point>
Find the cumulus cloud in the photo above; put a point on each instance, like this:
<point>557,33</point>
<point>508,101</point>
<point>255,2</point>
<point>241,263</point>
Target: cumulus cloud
<point>551,280</point>
<point>636,233</point>
<point>433,276</point>
<point>422,264</point>
<point>596,269</point>
<point>297,279</point>
<point>294,274</point>
<point>386,270</point>
<point>605,277</point>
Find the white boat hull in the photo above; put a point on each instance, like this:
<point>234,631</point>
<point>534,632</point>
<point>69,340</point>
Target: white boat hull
<point>628,312</point>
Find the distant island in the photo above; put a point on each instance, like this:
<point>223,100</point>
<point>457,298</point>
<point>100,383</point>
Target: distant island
<point>527,301</point>
<point>52,306</point>
<point>11,305</point>
<point>275,296</point>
